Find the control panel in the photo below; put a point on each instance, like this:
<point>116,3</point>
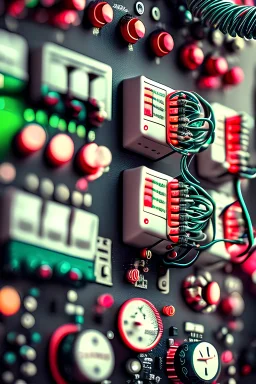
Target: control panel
<point>127,226</point>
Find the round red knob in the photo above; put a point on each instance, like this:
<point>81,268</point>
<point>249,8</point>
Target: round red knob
<point>211,293</point>
<point>65,18</point>
<point>169,310</point>
<point>77,5</point>
<point>233,305</point>
<point>234,76</point>
<point>216,66</point>
<point>17,9</point>
<point>191,56</point>
<point>209,82</point>
<point>132,29</point>
<point>91,158</point>
<point>162,43</point>
<point>31,139</point>
<point>227,357</point>
<point>100,13</point>
<point>106,300</point>
<point>133,275</point>
<point>60,149</point>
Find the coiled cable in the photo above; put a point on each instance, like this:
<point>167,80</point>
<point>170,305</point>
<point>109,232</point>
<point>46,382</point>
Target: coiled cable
<point>229,18</point>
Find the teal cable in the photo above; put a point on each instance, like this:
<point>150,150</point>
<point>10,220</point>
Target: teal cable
<point>229,18</point>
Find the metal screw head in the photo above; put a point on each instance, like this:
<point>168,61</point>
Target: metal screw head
<point>139,8</point>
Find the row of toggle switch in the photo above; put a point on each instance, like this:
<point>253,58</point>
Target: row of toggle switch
<point>90,159</point>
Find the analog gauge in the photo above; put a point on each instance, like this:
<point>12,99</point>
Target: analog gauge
<point>206,361</point>
<point>194,362</point>
<point>140,325</point>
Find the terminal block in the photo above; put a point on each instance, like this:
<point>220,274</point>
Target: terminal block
<point>159,120</point>
<point>145,208</point>
<point>157,211</point>
<point>229,154</point>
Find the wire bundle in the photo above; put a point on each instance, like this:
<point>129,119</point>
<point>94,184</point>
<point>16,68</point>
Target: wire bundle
<point>198,216</point>
<point>226,16</point>
<point>197,209</point>
<point>194,211</point>
<point>190,122</point>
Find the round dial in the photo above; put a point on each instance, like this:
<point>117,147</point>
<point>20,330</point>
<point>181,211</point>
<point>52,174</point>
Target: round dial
<point>140,325</point>
<point>206,361</point>
<point>197,362</point>
<point>80,356</point>
<point>93,355</point>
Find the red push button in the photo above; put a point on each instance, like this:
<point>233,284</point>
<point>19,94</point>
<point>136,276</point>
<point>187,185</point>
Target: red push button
<point>60,149</point>
<point>227,357</point>
<point>209,82</point>
<point>191,56</point>
<point>91,158</point>
<point>216,66</point>
<point>211,293</point>
<point>31,139</point>
<point>45,272</point>
<point>106,300</point>
<point>233,305</point>
<point>17,9</point>
<point>78,5</point>
<point>234,76</point>
<point>162,43</point>
<point>65,18</point>
<point>100,13</point>
<point>132,29</point>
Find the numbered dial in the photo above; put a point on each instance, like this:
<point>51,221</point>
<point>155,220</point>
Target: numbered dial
<point>140,325</point>
<point>197,362</point>
<point>80,356</point>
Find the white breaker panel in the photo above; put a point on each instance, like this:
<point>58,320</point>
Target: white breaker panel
<point>145,209</point>
<point>47,224</point>
<point>230,142</point>
<point>144,117</point>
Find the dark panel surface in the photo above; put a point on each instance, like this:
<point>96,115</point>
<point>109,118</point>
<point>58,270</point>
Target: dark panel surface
<point>107,191</point>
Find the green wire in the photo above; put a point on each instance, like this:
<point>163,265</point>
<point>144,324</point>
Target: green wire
<point>203,209</point>
<point>228,17</point>
<point>201,217</point>
<point>203,135</point>
<point>246,215</point>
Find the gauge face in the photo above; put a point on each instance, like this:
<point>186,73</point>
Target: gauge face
<point>206,361</point>
<point>140,325</point>
<point>94,356</point>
